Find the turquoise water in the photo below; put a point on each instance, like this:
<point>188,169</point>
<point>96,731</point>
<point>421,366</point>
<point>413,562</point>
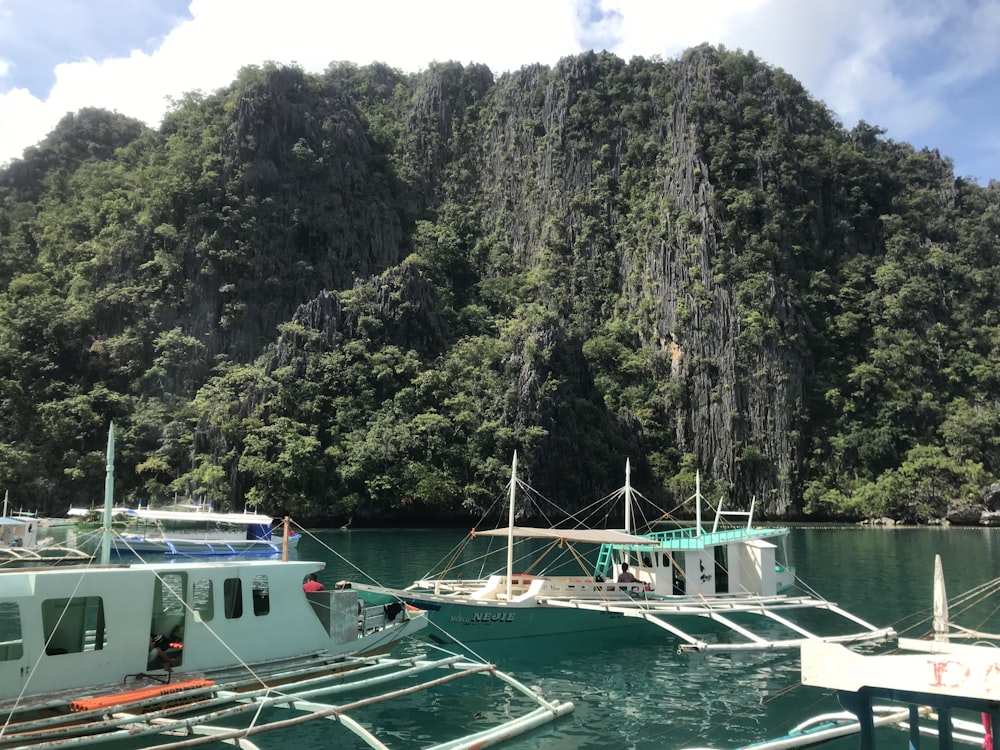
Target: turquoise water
<point>641,694</point>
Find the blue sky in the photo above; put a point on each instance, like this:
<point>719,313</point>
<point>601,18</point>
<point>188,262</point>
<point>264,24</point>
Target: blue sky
<point>925,70</point>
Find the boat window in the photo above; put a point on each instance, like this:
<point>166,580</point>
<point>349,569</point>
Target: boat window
<point>232,592</point>
<point>73,625</point>
<point>170,592</point>
<point>11,640</point>
<point>261,596</point>
<point>202,600</point>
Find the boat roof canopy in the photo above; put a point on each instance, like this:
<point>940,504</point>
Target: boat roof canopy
<point>245,519</point>
<point>593,536</point>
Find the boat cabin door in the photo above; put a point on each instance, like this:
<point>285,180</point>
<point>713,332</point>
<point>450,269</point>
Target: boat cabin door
<point>168,618</point>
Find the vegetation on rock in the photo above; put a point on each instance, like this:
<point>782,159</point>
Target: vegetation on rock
<point>355,294</point>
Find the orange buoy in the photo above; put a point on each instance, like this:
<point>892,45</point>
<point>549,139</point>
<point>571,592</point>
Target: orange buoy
<point>133,696</point>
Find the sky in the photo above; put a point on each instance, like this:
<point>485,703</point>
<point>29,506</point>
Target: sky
<point>927,71</point>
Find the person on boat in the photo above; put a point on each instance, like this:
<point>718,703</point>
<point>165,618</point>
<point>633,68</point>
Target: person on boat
<point>159,643</point>
<point>626,576</point>
<point>312,584</point>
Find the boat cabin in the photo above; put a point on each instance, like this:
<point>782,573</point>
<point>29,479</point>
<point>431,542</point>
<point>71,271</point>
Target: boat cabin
<point>69,627</point>
<point>21,532</point>
<point>705,565</point>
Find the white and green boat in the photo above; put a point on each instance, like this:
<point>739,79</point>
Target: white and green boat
<point>711,589</point>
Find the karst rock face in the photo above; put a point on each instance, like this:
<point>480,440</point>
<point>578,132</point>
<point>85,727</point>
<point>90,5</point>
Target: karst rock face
<point>689,192</point>
<point>652,198</point>
<point>659,249</point>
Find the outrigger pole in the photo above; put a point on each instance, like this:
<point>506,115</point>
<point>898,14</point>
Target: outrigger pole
<point>109,494</point>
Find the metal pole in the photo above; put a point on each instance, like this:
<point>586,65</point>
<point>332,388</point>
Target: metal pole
<point>697,503</point>
<point>510,524</point>
<point>109,495</point>
<point>284,545</point>
<point>628,496</point>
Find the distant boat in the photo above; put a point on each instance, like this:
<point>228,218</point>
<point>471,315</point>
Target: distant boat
<point>44,522</point>
<point>727,579</point>
<point>20,545</point>
<point>199,533</point>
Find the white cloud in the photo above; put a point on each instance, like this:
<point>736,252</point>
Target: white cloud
<point>972,39</point>
<point>24,120</point>
<point>206,52</point>
<point>890,62</point>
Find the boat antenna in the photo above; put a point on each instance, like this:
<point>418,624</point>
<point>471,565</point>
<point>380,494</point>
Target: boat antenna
<point>628,496</point>
<point>109,494</point>
<point>510,524</point>
<point>6,495</point>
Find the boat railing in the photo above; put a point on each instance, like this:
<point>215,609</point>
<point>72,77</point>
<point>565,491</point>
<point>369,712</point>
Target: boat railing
<point>449,585</point>
<point>689,539</point>
<point>524,588</point>
<point>570,586</point>
<point>372,618</point>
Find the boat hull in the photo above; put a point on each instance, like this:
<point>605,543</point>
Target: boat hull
<point>479,622</point>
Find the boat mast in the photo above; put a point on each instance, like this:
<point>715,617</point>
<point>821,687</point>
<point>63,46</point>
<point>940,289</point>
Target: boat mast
<point>697,503</point>
<point>628,496</point>
<point>510,524</point>
<point>941,625</point>
<point>109,493</point>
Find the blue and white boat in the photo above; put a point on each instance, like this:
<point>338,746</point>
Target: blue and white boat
<point>200,533</point>
<point>725,581</point>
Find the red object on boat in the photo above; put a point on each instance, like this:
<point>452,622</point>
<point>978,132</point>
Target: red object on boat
<point>133,696</point>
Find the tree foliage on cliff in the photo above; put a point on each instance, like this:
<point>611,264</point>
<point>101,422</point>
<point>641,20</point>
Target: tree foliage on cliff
<point>355,294</point>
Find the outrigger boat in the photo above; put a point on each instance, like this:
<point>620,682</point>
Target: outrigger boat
<point>209,534</point>
<point>726,576</point>
<point>925,687</point>
<point>20,545</point>
<point>197,652</point>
